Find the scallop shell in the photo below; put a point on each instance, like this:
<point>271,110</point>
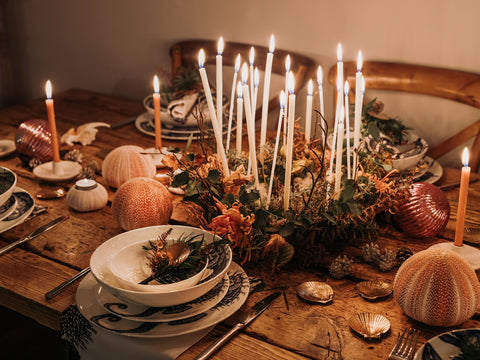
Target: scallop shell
<point>426,212</point>
<point>127,162</point>
<point>369,325</point>
<point>374,289</point>
<point>437,287</point>
<point>34,139</point>
<point>142,202</point>
<point>315,291</point>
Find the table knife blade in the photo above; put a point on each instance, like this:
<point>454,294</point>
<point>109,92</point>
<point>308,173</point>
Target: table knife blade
<point>246,319</point>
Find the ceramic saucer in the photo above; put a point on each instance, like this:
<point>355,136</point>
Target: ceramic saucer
<point>66,170</point>
<point>24,208</point>
<point>6,147</point>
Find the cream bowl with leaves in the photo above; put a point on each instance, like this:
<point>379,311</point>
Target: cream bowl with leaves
<point>219,259</point>
<point>8,180</point>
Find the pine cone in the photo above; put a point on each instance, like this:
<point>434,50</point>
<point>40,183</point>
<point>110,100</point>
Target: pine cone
<point>371,252</point>
<point>34,162</point>
<point>74,155</point>
<point>403,254</point>
<point>387,261</point>
<point>341,267</point>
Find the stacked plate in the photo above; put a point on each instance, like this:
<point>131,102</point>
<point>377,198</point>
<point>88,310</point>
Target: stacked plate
<point>111,304</point>
<point>16,204</point>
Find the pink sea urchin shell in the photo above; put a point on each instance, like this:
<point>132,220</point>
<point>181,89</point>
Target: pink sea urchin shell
<point>437,287</point>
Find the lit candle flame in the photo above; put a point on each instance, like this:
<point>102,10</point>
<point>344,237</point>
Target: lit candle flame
<point>362,85</point>
<point>201,58</point>
<point>156,85</point>
<point>320,76</point>
<point>256,81</point>
<point>346,88</point>
<point>237,63</point>
<point>239,90</point>
<point>465,156</point>
<point>220,46</point>
<point>310,87</point>
<point>291,83</point>
<point>252,56</point>
<point>359,61</point>
<point>283,99</point>
<point>287,64</point>
<point>272,44</point>
<point>339,52</point>
<point>48,89</point>
<point>244,73</point>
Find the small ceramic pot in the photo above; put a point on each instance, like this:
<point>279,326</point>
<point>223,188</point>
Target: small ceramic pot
<point>87,195</point>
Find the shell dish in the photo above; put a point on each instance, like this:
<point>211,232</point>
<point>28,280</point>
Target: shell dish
<point>142,202</point>
<point>369,325</point>
<point>34,139</point>
<point>374,289</point>
<point>315,291</point>
<point>127,162</point>
<point>437,287</point>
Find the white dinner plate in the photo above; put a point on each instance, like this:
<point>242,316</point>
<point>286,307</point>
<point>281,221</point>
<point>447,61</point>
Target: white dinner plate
<point>8,207</point>
<point>6,147</point>
<point>235,297</point>
<point>446,345</point>
<point>139,312</point>
<point>24,208</point>
<point>431,173</point>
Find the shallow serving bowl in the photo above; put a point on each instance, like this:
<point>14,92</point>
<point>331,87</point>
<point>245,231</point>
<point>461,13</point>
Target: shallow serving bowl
<point>129,267</point>
<point>8,180</point>
<point>218,262</point>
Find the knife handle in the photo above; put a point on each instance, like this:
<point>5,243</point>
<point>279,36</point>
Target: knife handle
<point>220,342</point>
<point>12,245</point>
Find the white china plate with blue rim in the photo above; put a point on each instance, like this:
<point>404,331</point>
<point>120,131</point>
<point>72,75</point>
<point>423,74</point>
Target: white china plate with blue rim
<point>430,173</point>
<point>6,147</point>
<point>447,345</point>
<point>145,125</point>
<point>234,298</point>
<point>139,312</point>
<point>23,209</point>
<point>8,207</point>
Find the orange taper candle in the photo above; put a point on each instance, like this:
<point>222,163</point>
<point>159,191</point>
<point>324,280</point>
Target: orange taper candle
<point>462,200</point>
<point>51,121</point>
<point>156,106</point>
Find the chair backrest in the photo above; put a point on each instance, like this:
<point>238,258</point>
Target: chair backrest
<point>185,53</point>
<point>459,86</point>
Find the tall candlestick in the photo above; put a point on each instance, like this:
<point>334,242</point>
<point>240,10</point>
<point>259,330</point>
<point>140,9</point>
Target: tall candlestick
<point>239,117</point>
<point>338,165</point>
<point>347,126</point>
<point>256,83</point>
<point>340,67</point>
<point>211,108</point>
<point>220,84</point>
<point>320,95</point>
<point>251,60</point>
<point>266,92</point>
<point>308,114</point>
<point>462,200</point>
<point>51,122</point>
<point>250,125</point>
<point>230,113</point>
<point>277,140</point>
<point>289,149</point>
<point>287,70</point>
<point>156,109</point>
<point>358,109</point>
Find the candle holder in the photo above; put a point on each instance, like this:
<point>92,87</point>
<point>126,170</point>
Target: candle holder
<point>57,171</point>
<point>469,253</point>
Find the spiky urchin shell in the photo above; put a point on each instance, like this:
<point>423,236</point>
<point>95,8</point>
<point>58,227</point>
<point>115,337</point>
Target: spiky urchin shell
<point>437,287</point>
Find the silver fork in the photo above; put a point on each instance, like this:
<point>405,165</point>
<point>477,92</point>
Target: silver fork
<point>405,346</point>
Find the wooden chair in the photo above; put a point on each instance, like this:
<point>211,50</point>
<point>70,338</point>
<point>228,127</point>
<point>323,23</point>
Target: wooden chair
<point>185,54</point>
<point>459,86</point>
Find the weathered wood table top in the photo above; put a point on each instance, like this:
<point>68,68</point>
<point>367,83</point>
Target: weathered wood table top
<point>289,329</point>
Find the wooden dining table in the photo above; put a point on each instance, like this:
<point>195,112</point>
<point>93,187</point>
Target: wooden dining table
<point>290,328</point>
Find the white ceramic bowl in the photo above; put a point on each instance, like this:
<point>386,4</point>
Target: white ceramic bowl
<point>8,181</point>
<point>129,266</point>
<point>219,261</point>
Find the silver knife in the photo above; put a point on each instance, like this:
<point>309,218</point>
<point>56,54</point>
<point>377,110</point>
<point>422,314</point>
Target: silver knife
<point>34,234</point>
<point>245,318</point>
<point>50,294</point>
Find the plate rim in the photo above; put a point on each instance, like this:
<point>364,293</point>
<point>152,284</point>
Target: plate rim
<point>21,218</point>
<point>10,144</point>
<point>419,352</point>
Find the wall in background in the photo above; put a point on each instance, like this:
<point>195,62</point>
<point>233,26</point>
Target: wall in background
<point>116,46</point>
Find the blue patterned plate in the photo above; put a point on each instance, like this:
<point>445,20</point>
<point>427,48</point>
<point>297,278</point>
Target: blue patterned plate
<point>234,298</point>
<point>24,208</point>
<point>139,312</point>
<point>447,345</point>
<point>8,207</point>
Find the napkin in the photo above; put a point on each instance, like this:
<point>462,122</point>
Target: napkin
<point>179,109</point>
